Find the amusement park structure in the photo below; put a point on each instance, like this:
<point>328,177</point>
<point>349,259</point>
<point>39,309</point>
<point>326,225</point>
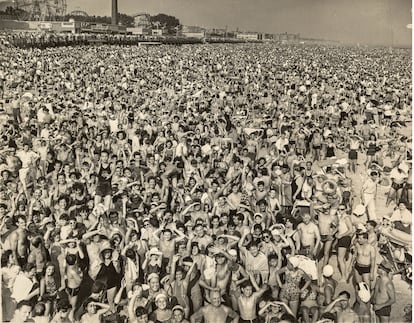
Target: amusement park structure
<point>42,9</point>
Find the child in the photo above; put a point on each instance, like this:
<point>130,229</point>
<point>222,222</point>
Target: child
<point>93,314</point>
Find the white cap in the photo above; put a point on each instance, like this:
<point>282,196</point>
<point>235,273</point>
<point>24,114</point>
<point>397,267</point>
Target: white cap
<point>328,271</point>
<point>359,209</point>
<point>232,252</point>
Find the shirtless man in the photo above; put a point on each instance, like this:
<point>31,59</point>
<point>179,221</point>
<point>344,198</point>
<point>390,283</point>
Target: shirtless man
<point>384,294</point>
<point>343,309</point>
<point>364,260</point>
<point>74,276</point>
<point>214,312</point>
<point>18,242</point>
<point>255,261</point>
<point>22,312</point>
<point>327,223</point>
<point>223,273</point>
<point>344,236</point>
<point>309,237</point>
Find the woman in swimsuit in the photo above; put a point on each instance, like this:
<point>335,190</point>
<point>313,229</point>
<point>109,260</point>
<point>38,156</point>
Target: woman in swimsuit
<point>49,288</point>
<point>290,290</point>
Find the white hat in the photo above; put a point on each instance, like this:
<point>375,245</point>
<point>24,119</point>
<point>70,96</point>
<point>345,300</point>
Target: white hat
<point>328,271</point>
<point>404,167</point>
<point>155,251</point>
<point>364,293</point>
<point>294,261</point>
<point>232,252</point>
<point>359,209</point>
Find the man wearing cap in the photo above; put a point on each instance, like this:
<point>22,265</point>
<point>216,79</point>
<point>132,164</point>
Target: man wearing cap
<point>384,293</point>
<point>215,312</point>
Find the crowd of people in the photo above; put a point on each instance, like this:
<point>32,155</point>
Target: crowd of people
<point>208,183</point>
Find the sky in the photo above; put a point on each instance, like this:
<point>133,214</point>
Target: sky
<point>372,22</point>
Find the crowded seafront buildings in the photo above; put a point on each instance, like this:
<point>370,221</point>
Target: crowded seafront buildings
<point>243,183</point>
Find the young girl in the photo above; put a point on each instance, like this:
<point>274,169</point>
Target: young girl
<point>153,262</point>
<point>179,284</point>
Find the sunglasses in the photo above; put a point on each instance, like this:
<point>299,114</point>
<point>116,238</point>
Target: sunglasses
<point>266,237</point>
<point>341,209</point>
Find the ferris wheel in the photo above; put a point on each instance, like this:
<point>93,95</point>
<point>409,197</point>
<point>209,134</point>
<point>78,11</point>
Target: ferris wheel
<point>42,9</point>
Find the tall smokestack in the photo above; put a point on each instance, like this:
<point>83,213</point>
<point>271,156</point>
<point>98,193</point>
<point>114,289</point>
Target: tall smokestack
<point>114,20</point>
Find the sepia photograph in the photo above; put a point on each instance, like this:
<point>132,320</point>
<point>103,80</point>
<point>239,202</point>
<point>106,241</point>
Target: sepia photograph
<point>206,161</point>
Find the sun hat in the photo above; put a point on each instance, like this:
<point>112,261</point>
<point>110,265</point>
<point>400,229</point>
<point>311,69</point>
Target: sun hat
<point>106,245</point>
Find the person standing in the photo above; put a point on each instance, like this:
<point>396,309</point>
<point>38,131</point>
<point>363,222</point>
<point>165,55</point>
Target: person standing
<point>369,194</point>
<point>384,293</point>
<point>364,260</point>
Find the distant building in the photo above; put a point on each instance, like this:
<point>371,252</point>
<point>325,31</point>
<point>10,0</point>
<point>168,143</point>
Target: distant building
<point>193,32</point>
<point>252,36</point>
<point>138,31</point>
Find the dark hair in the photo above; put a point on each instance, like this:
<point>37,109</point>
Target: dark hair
<point>5,257</point>
<point>87,302</point>
<point>372,223</point>
<point>29,266</point>
<point>288,317</point>
<point>36,242</point>
<point>97,287</point>
<point>363,234</point>
<point>130,253</point>
<point>139,311</point>
<point>329,316</point>
<point>20,217</point>
<point>345,293</point>
<point>70,259</point>
<point>245,284</point>
<point>23,303</point>
<point>39,309</point>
